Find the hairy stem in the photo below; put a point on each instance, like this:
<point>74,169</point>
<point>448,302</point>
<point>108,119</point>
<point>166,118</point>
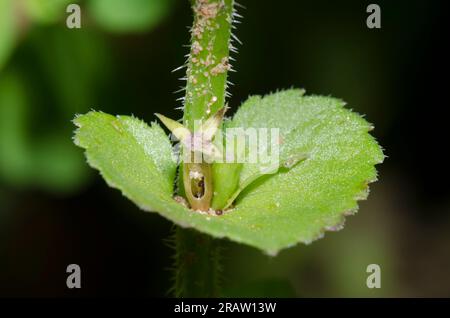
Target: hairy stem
<point>208,63</point>
<point>206,76</point>
<point>197,264</point>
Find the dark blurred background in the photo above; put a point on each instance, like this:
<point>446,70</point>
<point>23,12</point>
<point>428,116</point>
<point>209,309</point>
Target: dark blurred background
<point>55,210</point>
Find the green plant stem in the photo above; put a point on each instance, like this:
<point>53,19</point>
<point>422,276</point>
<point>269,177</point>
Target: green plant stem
<point>206,77</point>
<point>197,264</point>
<point>208,62</point>
<point>197,255</point>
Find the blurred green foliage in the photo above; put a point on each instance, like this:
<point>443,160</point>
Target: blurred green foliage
<point>128,16</point>
<point>8,30</point>
<point>48,11</point>
<point>55,73</point>
<point>35,133</point>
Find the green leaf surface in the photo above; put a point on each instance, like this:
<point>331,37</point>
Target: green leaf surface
<point>274,211</point>
<point>297,205</point>
<point>131,156</point>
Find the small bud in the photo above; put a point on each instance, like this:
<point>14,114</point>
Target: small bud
<point>177,129</point>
